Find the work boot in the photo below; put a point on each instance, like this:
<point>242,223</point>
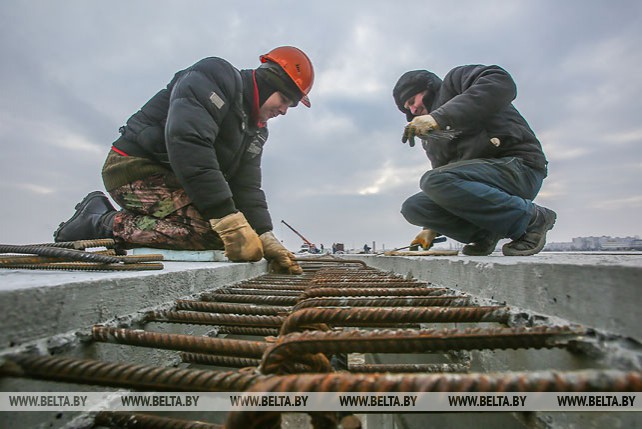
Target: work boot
<point>534,238</point>
<point>94,218</point>
<point>483,246</point>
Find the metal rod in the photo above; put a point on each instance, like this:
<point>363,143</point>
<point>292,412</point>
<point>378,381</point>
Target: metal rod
<point>188,343</point>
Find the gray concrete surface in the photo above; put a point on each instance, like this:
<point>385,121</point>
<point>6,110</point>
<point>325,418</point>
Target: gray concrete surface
<point>37,304</point>
<point>603,291</point>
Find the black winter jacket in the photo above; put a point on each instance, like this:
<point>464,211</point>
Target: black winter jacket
<point>199,126</point>
<point>474,102</point>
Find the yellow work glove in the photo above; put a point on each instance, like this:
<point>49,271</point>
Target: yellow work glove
<point>281,259</point>
<point>424,239</point>
<point>420,126</point>
<point>241,242</point>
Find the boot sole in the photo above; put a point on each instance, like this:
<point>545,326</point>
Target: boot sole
<point>78,207</point>
<point>550,223</point>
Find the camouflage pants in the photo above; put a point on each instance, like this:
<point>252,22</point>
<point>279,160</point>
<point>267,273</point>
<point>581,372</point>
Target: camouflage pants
<point>157,213</point>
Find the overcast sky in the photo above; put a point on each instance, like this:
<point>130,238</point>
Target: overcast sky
<point>72,72</point>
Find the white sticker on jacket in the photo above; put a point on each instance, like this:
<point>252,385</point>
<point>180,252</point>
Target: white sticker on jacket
<point>216,100</point>
<point>255,148</point>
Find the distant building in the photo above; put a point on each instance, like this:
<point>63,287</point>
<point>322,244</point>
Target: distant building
<point>602,243</point>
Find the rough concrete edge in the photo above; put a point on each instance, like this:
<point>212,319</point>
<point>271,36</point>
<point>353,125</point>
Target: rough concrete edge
<point>605,297</point>
<point>41,315</point>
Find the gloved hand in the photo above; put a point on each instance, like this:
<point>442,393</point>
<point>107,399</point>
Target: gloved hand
<point>241,243</point>
<point>424,239</point>
<point>419,126</point>
<point>281,259</point>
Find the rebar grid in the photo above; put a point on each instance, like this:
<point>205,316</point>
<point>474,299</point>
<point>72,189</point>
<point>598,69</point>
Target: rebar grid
<point>125,420</point>
<point>385,316</point>
<point>188,343</point>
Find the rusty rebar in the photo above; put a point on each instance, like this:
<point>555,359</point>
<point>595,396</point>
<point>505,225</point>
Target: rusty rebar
<point>410,368</point>
<point>188,343</point>
<point>58,252</point>
<point>249,331</point>
<point>200,318</point>
<point>405,292</point>
<point>384,316</point>
<point>261,292</point>
<point>217,360</point>
<point>320,260</point>
<point>221,307</point>
<point>86,266</point>
<point>109,243</point>
<point>249,299</point>
<point>139,377</point>
<point>369,284</point>
<point>352,301</point>
<point>272,285</point>
<point>294,346</point>
<point>544,381</point>
<point>125,420</point>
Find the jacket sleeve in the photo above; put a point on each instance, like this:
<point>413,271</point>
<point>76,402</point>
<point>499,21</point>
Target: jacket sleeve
<point>246,188</point>
<point>475,93</point>
<point>198,103</point>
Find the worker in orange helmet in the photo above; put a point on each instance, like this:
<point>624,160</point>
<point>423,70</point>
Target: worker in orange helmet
<point>186,169</point>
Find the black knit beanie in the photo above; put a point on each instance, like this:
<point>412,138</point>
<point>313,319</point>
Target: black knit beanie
<point>273,78</point>
<point>266,88</point>
<point>412,83</point>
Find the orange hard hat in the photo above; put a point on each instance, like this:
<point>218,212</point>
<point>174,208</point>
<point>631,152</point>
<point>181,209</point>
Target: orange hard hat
<point>296,64</point>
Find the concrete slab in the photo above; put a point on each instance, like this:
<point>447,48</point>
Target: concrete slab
<point>603,291</point>
<point>184,255</point>
<point>37,304</point>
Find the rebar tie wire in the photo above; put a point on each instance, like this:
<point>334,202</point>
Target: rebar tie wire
<point>281,355</point>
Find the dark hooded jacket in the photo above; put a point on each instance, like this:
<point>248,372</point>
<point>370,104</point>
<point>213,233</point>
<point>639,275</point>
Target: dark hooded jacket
<point>202,127</point>
<point>474,110</point>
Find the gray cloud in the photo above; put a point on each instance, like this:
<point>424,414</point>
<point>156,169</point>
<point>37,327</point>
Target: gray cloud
<point>73,72</point>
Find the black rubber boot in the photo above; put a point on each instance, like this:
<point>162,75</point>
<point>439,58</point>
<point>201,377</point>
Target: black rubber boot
<point>94,218</point>
<point>482,247</point>
<point>534,239</point>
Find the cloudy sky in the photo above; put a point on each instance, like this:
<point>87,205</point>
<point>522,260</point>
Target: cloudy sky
<point>73,72</point>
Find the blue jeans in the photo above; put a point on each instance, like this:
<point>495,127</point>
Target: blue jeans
<point>468,200</point>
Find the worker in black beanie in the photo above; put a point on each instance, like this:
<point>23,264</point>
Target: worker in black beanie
<point>487,164</point>
<point>186,170</point>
